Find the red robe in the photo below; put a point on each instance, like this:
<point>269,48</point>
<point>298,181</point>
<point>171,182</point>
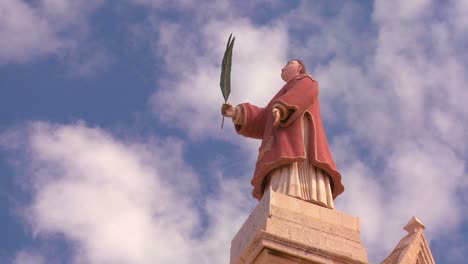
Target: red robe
<point>284,144</point>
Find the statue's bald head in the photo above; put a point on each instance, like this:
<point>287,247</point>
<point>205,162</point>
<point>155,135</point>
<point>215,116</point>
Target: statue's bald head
<point>292,69</point>
<point>303,67</point>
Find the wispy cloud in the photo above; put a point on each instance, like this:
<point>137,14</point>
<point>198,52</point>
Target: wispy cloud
<point>121,202</point>
<point>193,95</point>
<point>391,89</point>
<point>400,118</point>
<point>25,33</point>
<point>392,95</point>
<point>28,257</point>
<point>50,28</point>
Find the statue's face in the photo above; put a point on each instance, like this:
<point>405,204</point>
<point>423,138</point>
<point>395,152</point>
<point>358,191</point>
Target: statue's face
<point>290,70</point>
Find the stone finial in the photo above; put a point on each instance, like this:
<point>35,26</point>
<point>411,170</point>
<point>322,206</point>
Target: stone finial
<point>414,225</point>
<point>412,248</point>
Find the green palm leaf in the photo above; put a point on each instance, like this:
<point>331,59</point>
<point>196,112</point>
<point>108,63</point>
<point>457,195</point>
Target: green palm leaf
<point>225,80</point>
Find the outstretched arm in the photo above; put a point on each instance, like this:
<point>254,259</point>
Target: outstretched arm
<point>228,110</point>
<point>249,120</point>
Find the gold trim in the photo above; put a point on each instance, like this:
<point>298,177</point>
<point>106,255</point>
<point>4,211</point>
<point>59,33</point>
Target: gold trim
<point>266,168</point>
<point>239,118</point>
<point>264,148</point>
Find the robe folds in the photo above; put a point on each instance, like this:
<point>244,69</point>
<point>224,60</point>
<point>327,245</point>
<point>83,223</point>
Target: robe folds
<point>284,144</point>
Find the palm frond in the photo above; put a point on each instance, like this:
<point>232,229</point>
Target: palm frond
<point>225,80</point>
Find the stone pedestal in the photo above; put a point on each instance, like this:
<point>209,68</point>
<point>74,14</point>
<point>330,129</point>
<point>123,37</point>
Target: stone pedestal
<point>283,229</point>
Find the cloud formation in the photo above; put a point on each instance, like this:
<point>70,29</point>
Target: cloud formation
<point>26,33</point>
<point>121,202</point>
<point>50,28</point>
<point>28,257</point>
<point>400,104</point>
<point>392,95</point>
<point>194,93</point>
<point>391,89</point>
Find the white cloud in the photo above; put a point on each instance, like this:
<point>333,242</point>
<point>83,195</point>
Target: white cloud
<point>165,3</point>
<point>28,257</point>
<point>106,195</point>
<point>46,27</point>
<point>221,9</point>
<point>458,18</point>
<point>396,97</point>
<point>451,131</point>
<point>363,197</point>
<point>396,94</point>
<point>259,54</point>
<point>426,174</point>
<point>122,202</point>
<point>394,89</point>
<point>226,211</point>
<point>24,32</point>
<point>402,10</point>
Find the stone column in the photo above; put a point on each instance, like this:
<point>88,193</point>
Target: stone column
<point>284,229</point>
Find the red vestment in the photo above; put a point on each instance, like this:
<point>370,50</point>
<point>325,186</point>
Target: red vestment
<point>285,144</point>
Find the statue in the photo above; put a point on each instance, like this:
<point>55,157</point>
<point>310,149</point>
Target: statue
<point>294,157</point>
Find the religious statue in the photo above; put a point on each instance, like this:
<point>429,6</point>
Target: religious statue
<point>294,157</point>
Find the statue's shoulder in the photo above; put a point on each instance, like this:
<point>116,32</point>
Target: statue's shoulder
<point>305,76</point>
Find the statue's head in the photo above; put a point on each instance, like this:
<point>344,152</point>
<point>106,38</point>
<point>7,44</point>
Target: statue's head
<point>292,69</point>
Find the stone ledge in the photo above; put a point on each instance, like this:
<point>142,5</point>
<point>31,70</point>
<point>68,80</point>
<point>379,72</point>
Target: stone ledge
<point>299,229</point>
<point>306,242</point>
<point>292,250</point>
<point>268,256</point>
<point>308,222</point>
<point>312,210</point>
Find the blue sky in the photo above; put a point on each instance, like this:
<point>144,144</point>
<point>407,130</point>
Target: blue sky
<point>110,141</point>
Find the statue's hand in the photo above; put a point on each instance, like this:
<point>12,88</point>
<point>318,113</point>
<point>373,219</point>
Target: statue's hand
<point>228,110</point>
<point>277,114</point>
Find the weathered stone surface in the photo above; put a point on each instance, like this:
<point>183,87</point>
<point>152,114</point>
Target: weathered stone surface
<point>284,229</point>
<point>337,230</point>
<point>254,223</point>
<point>413,248</point>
